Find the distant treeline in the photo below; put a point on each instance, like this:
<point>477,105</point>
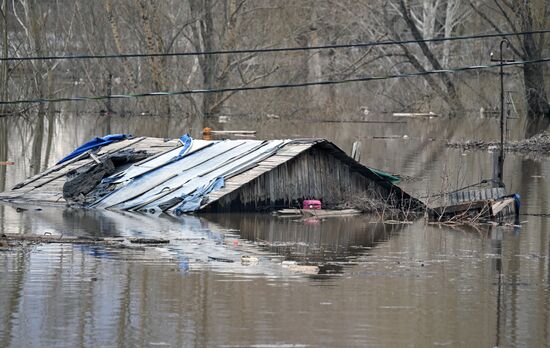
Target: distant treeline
<point>69,27</point>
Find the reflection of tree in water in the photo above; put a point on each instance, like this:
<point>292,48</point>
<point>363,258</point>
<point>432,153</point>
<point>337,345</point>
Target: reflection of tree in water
<point>10,303</point>
<point>336,239</point>
<point>3,150</point>
<point>83,222</point>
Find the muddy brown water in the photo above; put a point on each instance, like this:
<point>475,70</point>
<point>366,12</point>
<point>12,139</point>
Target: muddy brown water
<point>414,285</point>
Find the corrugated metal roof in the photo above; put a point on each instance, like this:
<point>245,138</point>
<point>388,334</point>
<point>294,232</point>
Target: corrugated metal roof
<point>180,185</point>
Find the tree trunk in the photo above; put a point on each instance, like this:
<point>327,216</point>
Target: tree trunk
<point>148,14</point>
<point>118,43</point>
<point>455,104</point>
<point>38,137</point>
<point>429,8</point>
<point>5,72</point>
<point>50,116</point>
<point>3,150</point>
<point>203,32</point>
<point>40,87</point>
<point>538,109</point>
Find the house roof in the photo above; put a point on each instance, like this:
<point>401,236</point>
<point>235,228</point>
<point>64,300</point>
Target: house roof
<point>181,176</point>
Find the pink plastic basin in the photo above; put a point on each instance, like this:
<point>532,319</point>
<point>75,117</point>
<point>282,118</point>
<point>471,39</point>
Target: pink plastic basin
<point>312,204</point>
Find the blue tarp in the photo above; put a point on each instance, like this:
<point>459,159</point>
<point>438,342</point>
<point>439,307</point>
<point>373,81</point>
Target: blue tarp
<point>192,202</point>
<point>186,141</point>
<point>95,143</point>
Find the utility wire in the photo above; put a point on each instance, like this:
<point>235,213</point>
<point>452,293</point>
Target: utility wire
<point>277,86</point>
<point>281,49</point>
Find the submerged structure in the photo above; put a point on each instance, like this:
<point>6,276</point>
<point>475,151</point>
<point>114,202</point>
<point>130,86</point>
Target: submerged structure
<point>184,175</point>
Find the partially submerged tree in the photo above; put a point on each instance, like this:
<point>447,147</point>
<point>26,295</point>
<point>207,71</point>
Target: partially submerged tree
<point>33,17</point>
<point>422,20</point>
<point>4,76</point>
<point>524,16</point>
<point>219,26</point>
<point>139,26</point>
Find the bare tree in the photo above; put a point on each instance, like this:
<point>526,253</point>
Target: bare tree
<point>33,18</point>
<point>524,16</point>
<point>4,142</point>
<point>140,26</point>
<point>4,77</point>
<point>116,36</point>
<point>443,85</point>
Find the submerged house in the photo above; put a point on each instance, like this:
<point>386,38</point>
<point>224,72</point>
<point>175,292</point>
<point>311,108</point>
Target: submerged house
<point>154,175</point>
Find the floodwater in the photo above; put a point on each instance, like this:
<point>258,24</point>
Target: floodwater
<point>381,285</point>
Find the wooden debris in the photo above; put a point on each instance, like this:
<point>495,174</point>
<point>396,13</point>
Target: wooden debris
<point>474,211</point>
<point>305,269</point>
<point>148,241</point>
<point>388,137</point>
<point>249,260</point>
<point>503,207</point>
<point>208,132</point>
<point>233,132</point>
<point>415,114</point>
<point>356,151</point>
<point>85,179</point>
<point>107,241</point>
<point>538,144</point>
<point>94,157</point>
<point>220,259</point>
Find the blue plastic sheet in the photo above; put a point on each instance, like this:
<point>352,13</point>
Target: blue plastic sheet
<point>95,143</point>
<point>186,140</point>
<point>193,201</point>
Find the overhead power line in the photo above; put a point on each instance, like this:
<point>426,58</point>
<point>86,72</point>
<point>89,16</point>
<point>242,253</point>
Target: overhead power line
<point>271,50</point>
<point>276,86</point>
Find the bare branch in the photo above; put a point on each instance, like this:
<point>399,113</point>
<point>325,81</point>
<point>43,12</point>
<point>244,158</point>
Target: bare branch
<point>486,18</point>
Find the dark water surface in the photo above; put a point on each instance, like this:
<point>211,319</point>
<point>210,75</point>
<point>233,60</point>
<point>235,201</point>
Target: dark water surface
<point>406,285</point>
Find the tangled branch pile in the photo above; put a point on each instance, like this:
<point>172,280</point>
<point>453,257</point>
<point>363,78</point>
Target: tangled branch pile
<point>539,143</point>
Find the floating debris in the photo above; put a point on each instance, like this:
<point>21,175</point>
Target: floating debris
<point>539,143</point>
<point>220,259</point>
<point>305,269</point>
<point>48,238</point>
<point>249,260</point>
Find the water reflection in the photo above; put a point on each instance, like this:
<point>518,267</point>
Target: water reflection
<point>399,285</point>
<point>441,276</point>
<point>99,299</point>
<point>202,240</point>
<point>339,240</point>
